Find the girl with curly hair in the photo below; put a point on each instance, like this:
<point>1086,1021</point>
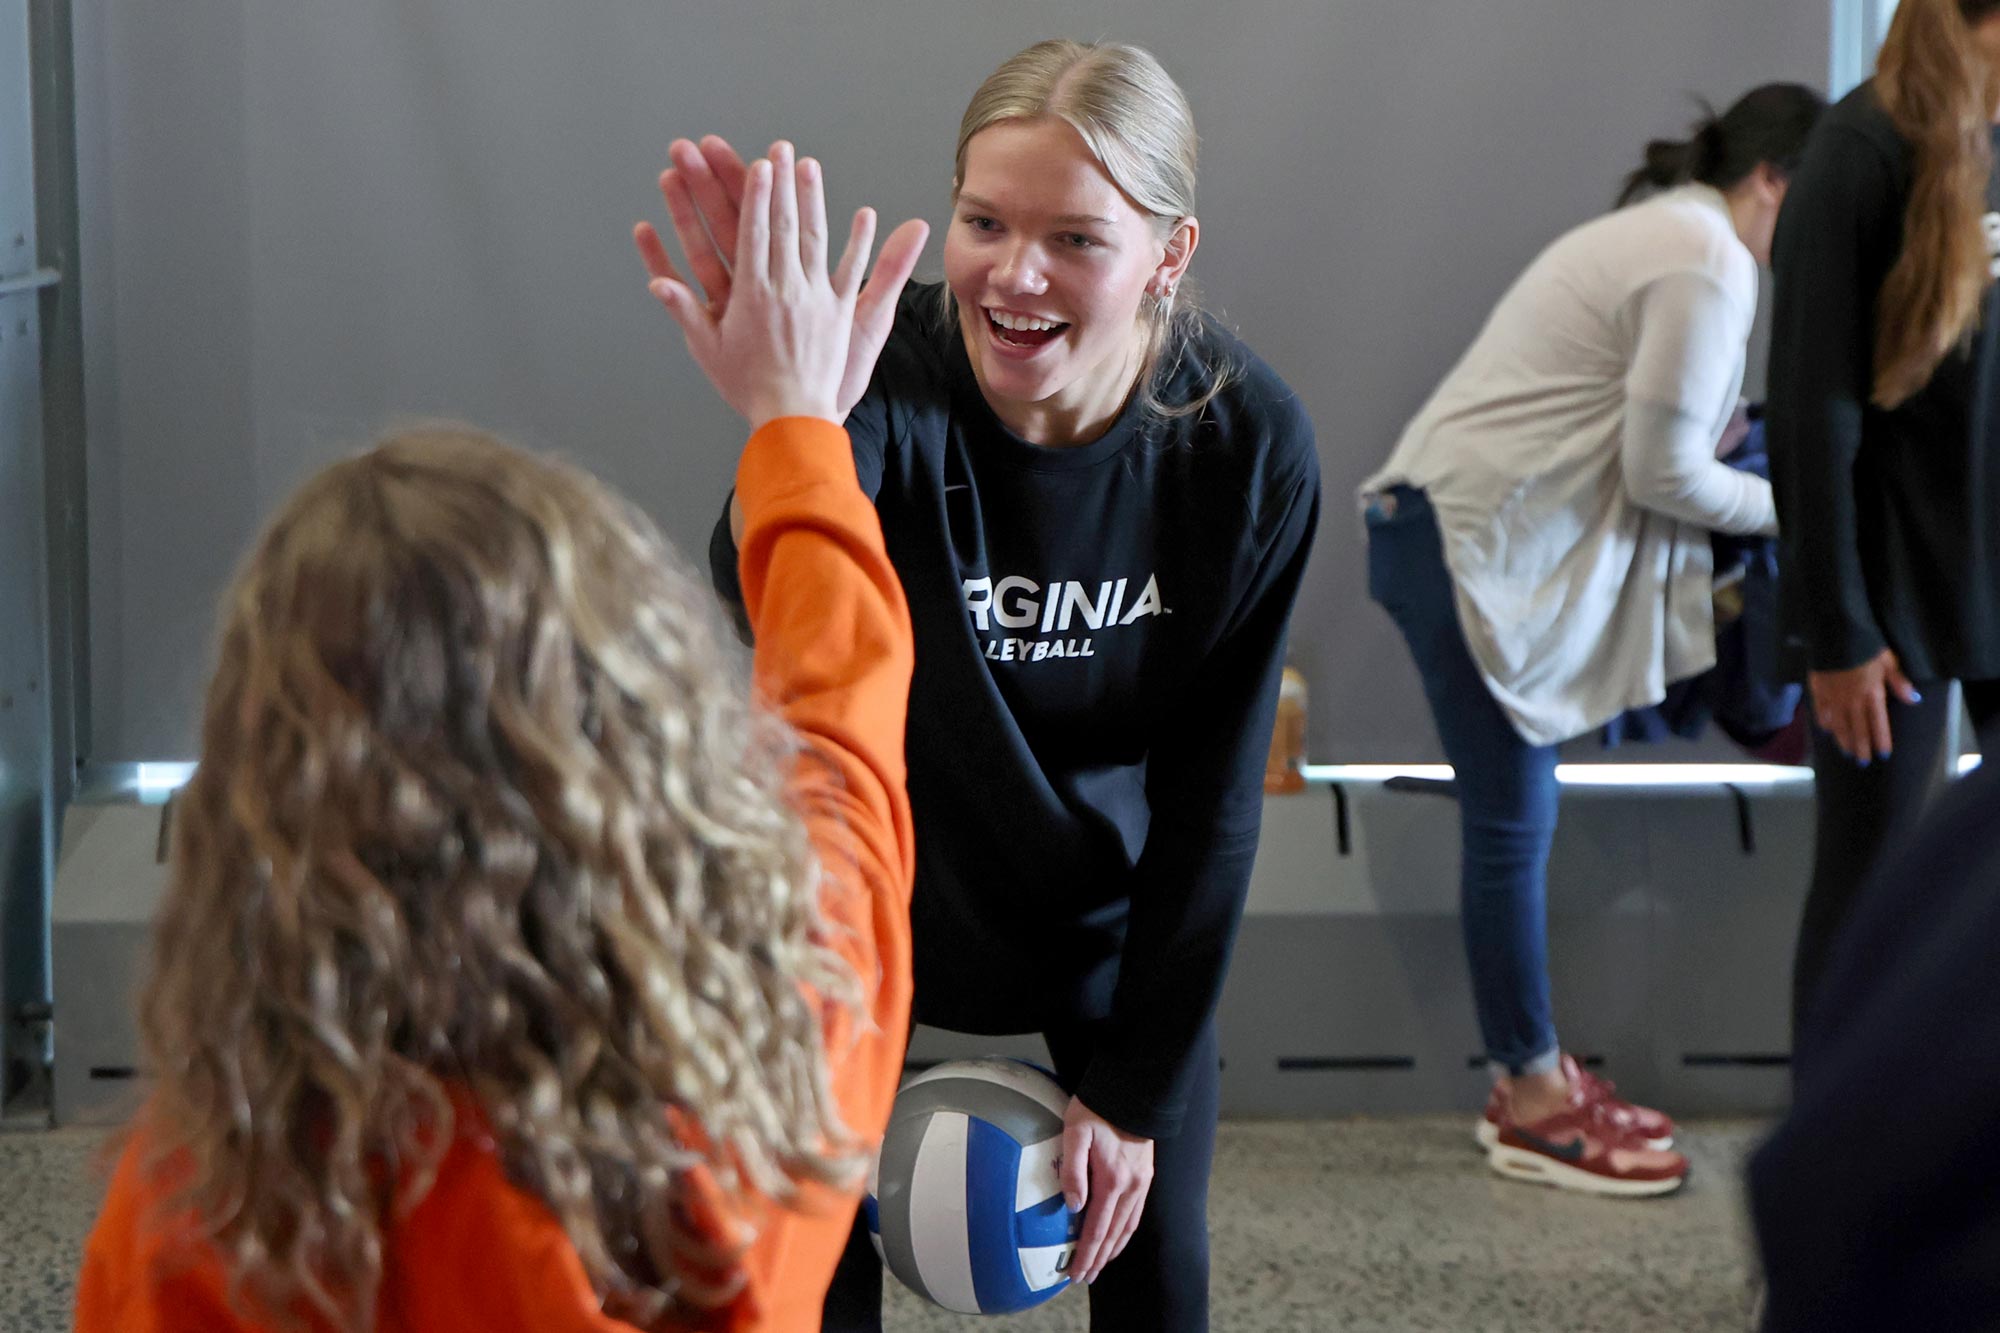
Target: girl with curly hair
<point>519,967</point>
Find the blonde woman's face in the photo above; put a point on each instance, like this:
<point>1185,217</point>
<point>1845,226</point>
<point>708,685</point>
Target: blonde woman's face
<point>1048,260</point>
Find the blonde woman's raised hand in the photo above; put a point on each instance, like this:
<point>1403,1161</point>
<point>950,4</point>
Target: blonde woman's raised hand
<point>705,193</point>
<point>703,190</point>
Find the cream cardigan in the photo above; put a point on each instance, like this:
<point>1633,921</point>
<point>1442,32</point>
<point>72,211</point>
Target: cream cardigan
<point>1570,456</point>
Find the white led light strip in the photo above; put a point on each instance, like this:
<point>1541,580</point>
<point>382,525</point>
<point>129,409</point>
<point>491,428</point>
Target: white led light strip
<point>160,778</point>
<point>1604,775</point>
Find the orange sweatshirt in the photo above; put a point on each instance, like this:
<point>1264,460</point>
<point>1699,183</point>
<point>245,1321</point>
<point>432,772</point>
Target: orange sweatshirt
<point>478,1253</point>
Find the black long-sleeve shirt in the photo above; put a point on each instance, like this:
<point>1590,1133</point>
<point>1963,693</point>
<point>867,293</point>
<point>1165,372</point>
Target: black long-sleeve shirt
<point>1100,633</point>
<point>1890,520</point>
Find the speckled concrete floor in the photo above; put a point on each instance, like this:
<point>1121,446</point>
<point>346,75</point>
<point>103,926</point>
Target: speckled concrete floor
<point>1368,1226</point>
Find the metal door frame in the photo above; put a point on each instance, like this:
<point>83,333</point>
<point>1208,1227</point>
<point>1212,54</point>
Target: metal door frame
<point>39,303</point>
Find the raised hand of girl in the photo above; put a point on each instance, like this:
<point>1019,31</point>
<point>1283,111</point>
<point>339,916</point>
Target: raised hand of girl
<point>706,193</point>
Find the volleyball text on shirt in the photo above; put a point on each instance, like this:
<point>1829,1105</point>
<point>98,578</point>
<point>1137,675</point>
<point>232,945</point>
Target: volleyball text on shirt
<point>1018,602</point>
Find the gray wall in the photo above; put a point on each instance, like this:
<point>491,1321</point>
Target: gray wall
<point>304,220</point>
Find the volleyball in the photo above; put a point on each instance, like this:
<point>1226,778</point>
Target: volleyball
<point>965,1201</point>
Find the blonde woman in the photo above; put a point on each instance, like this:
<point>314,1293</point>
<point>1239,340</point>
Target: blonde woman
<point>1885,440</point>
<point>516,971</point>
<point>1102,505</point>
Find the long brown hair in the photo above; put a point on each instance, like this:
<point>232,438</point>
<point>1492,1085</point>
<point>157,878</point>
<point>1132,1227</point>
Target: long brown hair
<point>1941,92</point>
<point>484,819</point>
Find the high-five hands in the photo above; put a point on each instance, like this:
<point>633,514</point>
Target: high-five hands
<point>772,330</point>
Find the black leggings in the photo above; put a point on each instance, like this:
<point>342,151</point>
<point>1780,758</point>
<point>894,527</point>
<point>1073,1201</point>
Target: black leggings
<point>1863,810</point>
<point>1160,1283</point>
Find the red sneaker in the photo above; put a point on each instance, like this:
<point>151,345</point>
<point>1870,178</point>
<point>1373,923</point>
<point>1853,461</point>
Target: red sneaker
<point>1582,1148</point>
<point>1655,1129</point>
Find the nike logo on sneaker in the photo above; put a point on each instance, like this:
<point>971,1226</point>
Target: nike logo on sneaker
<point>1565,1152</point>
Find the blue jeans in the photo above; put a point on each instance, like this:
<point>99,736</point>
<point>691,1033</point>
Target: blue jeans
<point>1506,789</point>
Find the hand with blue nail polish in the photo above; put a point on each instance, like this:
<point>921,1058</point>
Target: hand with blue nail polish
<point>1852,705</point>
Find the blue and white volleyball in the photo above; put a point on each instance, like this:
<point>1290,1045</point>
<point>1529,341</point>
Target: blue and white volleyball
<point>965,1202</point>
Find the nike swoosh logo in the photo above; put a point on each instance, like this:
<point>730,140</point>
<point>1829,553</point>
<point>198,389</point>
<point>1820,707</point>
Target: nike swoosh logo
<point>960,487</point>
<point>1568,1152</point>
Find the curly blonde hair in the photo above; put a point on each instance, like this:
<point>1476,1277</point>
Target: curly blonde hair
<point>484,814</point>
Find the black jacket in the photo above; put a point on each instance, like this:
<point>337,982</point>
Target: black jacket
<point>1890,520</point>
<point>1100,633</point>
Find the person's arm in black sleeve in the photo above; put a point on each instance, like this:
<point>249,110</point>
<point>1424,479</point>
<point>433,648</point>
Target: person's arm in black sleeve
<point>868,429</point>
<point>722,575</point>
<point>1833,243</point>
<point>1205,782</point>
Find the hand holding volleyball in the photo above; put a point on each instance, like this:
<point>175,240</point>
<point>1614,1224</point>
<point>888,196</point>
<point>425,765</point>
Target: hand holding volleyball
<point>1106,1175</point>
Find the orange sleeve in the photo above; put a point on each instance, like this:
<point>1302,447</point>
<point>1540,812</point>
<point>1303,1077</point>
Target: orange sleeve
<point>108,1298</point>
<point>135,1278</point>
<point>834,656</point>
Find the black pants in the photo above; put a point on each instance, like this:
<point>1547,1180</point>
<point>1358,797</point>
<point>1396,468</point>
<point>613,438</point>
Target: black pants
<point>1160,1283</point>
<point>1862,810</point>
